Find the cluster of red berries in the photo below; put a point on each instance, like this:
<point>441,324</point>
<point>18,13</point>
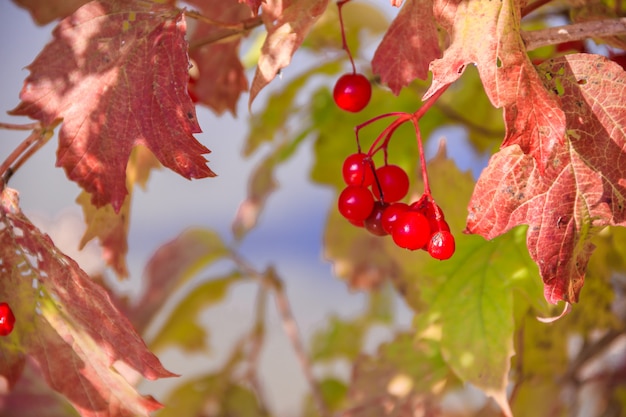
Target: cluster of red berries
<point>372,196</point>
<point>371,200</point>
<point>7,319</point>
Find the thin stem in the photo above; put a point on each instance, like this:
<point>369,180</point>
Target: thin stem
<point>27,126</point>
<point>429,102</point>
<point>21,153</point>
<point>228,33</point>
<point>270,280</point>
<point>385,135</point>
<point>256,339</point>
<point>575,31</point>
<point>533,6</point>
<point>420,147</point>
<point>211,22</point>
<point>370,121</point>
<point>291,330</point>
<point>344,43</point>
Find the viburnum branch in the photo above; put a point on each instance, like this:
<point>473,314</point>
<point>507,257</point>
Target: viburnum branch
<point>575,31</point>
<point>429,102</point>
<point>534,6</point>
<point>256,338</point>
<point>21,153</point>
<point>228,33</point>
<point>270,280</point>
<point>27,126</point>
<point>291,330</point>
<point>344,43</point>
<point>202,18</point>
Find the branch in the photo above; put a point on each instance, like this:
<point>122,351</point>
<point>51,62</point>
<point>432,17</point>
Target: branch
<point>228,33</point>
<point>20,155</point>
<point>291,329</point>
<point>270,280</point>
<point>576,31</point>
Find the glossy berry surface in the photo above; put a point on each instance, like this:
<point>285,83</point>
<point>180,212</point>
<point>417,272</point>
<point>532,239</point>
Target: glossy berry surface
<point>373,223</point>
<point>357,170</point>
<point>390,215</point>
<point>411,230</point>
<point>441,245</point>
<point>393,181</point>
<point>352,92</point>
<point>355,203</point>
<point>7,319</point>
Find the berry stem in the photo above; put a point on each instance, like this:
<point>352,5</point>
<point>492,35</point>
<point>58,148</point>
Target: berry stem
<point>370,121</point>
<point>429,102</point>
<point>420,147</point>
<point>415,119</point>
<point>344,43</point>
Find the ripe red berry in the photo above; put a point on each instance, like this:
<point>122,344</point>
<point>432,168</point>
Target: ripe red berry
<point>373,223</point>
<point>352,92</point>
<point>7,319</point>
<point>357,170</point>
<point>411,230</point>
<point>441,245</point>
<point>355,203</point>
<point>390,215</point>
<point>433,213</point>
<point>393,181</point>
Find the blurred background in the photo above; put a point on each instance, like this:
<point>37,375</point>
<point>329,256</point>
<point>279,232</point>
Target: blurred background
<point>289,234</point>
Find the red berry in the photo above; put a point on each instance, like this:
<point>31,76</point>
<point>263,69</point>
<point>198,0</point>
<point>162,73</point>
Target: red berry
<point>357,170</point>
<point>373,223</point>
<point>393,181</point>
<point>433,213</point>
<point>352,92</point>
<point>390,215</point>
<point>411,230</point>
<point>7,319</point>
<point>441,245</point>
<point>355,203</point>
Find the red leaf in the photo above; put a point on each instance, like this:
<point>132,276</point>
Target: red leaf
<point>221,77</point>
<point>253,4</point>
<point>67,323</point>
<point>410,44</point>
<point>582,188</point>
<point>487,34</point>
<point>287,22</point>
<point>117,73</point>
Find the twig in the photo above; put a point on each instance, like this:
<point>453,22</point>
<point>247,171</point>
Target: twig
<point>270,280</point>
<point>533,6</point>
<point>21,153</point>
<point>575,31</point>
<point>256,338</point>
<point>291,330</point>
<point>228,33</point>
<point>27,126</point>
<point>588,352</point>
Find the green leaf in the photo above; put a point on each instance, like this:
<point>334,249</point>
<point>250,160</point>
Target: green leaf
<point>182,328</point>
<point>334,394</point>
<point>269,124</point>
<point>341,339</point>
